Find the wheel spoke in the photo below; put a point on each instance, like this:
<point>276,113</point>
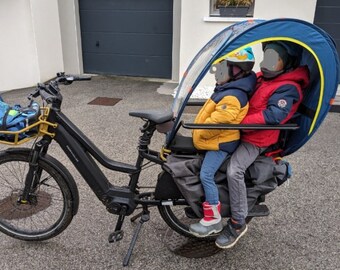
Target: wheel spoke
<point>13,174</point>
<point>7,186</point>
<point>3,178</point>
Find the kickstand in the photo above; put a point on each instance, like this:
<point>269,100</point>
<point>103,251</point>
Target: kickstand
<point>144,218</point>
<point>133,219</point>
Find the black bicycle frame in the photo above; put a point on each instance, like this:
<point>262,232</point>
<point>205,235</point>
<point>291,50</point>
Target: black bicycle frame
<point>81,151</point>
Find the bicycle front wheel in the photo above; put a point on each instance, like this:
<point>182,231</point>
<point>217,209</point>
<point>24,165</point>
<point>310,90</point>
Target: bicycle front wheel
<point>48,210</point>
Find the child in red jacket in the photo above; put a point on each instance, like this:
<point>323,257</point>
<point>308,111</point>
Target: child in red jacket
<point>276,98</point>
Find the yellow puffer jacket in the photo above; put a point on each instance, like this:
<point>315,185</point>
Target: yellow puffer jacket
<point>227,105</point>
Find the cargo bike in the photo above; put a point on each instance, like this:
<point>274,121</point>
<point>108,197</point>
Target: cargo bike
<point>39,197</point>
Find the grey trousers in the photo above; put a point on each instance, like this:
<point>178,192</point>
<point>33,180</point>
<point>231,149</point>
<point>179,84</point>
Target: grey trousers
<point>240,160</point>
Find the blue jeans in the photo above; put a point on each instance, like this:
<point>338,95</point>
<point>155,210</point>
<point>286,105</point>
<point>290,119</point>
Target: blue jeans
<point>211,163</point>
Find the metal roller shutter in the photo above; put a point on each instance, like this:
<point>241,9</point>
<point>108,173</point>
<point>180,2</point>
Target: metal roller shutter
<point>327,17</point>
<point>127,37</point>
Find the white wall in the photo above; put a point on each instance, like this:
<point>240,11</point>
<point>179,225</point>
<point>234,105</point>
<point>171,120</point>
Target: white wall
<point>30,44</point>
<point>176,39</point>
<point>70,36</point>
<point>18,54</point>
<point>300,9</point>
<point>42,37</point>
<point>46,31</point>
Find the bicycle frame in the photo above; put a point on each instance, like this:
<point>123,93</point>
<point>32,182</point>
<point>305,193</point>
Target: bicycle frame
<point>82,152</point>
<point>119,200</point>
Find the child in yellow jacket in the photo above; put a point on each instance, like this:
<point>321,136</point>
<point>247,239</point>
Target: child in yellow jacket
<point>235,80</point>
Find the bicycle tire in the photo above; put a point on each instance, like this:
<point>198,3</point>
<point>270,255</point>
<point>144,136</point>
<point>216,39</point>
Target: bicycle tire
<point>176,219</point>
<point>30,222</point>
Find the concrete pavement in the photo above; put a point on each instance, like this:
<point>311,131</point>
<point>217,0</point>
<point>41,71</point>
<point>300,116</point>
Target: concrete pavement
<point>302,231</point>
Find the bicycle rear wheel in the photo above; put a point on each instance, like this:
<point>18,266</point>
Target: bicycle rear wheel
<point>48,210</point>
<point>175,217</point>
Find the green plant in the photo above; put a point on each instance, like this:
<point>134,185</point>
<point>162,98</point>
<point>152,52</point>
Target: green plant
<point>226,3</point>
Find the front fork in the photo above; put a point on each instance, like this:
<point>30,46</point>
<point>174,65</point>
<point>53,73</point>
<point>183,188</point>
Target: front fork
<point>34,173</point>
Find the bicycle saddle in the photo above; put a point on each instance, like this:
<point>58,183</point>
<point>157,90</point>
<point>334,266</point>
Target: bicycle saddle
<point>157,116</point>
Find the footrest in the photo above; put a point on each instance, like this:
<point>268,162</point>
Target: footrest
<point>259,210</point>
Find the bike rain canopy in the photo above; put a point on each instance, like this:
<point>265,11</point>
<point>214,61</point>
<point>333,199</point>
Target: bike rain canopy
<point>318,52</point>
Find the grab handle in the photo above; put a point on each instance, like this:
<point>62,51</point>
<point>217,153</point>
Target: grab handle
<point>241,126</point>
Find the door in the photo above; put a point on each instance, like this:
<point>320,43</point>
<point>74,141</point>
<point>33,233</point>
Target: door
<point>127,37</point>
<point>327,17</point>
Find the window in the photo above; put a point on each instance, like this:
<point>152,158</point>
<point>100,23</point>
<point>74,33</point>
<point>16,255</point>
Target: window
<point>232,8</point>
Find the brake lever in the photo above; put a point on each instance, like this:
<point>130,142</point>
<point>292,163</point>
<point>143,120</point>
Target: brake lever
<point>36,92</point>
<point>60,74</point>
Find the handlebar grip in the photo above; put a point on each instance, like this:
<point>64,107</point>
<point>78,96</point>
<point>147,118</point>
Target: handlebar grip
<point>46,96</point>
<point>82,78</point>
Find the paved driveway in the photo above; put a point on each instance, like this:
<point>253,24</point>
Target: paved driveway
<point>302,231</point>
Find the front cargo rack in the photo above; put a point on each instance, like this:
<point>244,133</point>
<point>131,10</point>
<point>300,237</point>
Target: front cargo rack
<point>36,129</point>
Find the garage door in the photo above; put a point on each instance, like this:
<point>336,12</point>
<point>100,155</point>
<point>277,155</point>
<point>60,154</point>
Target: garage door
<point>127,37</point>
<point>327,17</point>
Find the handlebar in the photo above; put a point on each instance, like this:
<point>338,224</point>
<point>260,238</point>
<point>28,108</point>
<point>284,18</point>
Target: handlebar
<point>68,79</point>
<point>50,92</point>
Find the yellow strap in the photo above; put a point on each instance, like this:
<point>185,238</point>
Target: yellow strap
<point>164,152</point>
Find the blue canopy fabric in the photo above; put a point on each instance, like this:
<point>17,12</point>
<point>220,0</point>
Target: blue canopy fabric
<point>319,53</point>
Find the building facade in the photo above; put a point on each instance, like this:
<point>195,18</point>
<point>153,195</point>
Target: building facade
<point>148,38</point>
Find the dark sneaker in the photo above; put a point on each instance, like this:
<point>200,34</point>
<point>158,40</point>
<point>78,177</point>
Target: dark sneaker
<point>230,235</point>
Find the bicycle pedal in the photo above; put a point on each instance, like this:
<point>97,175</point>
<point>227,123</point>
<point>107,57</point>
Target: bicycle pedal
<point>116,236</point>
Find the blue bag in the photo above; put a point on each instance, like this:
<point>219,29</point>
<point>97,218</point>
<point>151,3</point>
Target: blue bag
<point>16,118</point>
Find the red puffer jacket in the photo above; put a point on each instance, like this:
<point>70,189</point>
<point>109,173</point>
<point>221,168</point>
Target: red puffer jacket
<point>274,102</point>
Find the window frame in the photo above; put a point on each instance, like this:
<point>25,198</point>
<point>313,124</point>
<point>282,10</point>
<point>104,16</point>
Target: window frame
<point>214,12</point>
